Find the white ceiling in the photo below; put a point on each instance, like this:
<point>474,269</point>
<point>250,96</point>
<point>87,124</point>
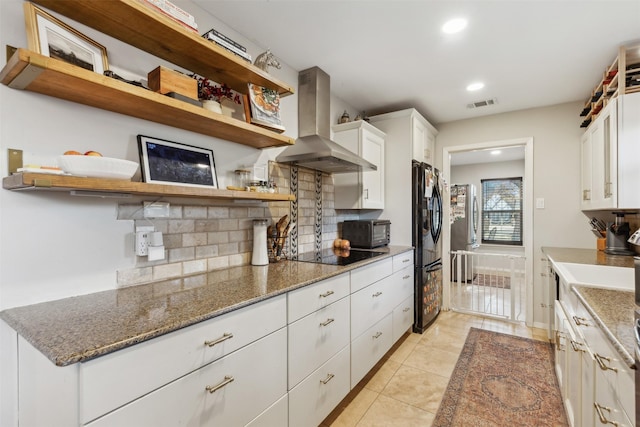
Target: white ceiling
<point>388,55</point>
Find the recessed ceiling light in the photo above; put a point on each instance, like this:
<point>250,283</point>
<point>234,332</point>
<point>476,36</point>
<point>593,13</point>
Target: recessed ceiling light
<point>475,86</point>
<point>454,26</point>
<point>496,152</point>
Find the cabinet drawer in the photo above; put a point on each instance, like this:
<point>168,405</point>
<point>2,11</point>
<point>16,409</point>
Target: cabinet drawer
<point>313,297</point>
<point>402,261</point>
<point>369,347</point>
<point>364,276</point>
<point>314,398</point>
<point>316,338</point>
<point>258,371</point>
<point>403,285</point>
<point>402,318</point>
<point>371,304</point>
<point>607,407</point>
<point>275,415</point>
<point>106,382</point>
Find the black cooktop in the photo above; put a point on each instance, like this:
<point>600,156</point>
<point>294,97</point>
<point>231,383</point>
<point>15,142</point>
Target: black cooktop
<point>327,256</point>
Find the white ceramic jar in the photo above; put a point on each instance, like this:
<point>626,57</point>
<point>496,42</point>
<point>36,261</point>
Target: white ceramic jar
<point>260,255</point>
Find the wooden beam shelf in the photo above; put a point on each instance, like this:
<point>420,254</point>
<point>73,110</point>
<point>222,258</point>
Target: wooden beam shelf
<point>49,76</point>
<point>137,24</point>
<point>39,181</point>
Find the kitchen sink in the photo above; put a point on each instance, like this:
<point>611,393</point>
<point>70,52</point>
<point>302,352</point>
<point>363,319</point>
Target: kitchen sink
<point>602,276</point>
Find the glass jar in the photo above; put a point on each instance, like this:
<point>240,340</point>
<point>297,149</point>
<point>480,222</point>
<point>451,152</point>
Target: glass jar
<point>241,178</point>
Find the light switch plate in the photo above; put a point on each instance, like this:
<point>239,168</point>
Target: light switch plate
<point>540,203</point>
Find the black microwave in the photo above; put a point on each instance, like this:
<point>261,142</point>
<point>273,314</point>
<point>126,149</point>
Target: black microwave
<point>368,234</point>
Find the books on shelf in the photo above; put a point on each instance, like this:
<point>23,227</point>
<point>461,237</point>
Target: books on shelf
<point>228,44</point>
<point>172,11</point>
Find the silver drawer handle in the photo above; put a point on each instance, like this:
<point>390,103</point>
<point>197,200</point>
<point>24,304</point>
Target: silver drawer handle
<point>603,419</point>
<point>326,322</point>
<point>406,309</point>
<point>580,321</point>
<point>604,366</point>
<point>377,335</point>
<point>213,388</point>
<point>377,294</point>
<point>559,339</point>
<point>326,380</point>
<point>406,260</point>
<point>224,337</point>
<point>406,277</point>
<point>326,294</point>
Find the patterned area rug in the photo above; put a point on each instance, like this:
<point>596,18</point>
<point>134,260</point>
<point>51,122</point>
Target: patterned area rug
<point>492,280</point>
<point>502,380</point>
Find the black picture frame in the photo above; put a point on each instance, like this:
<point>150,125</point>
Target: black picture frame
<point>174,163</point>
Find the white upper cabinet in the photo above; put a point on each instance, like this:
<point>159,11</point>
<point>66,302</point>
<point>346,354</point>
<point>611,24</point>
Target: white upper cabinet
<point>610,153</point>
<point>361,190</point>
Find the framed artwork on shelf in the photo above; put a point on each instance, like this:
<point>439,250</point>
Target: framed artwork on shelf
<point>51,37</point>
<point>173,163</point>
<point>264,106</point>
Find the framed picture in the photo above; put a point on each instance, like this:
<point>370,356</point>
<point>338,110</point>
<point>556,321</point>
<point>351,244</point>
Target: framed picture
<point>166,162</point>
<point>49,36</point>
<point>265,108</point>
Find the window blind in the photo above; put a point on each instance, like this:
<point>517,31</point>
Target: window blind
<point>502,211</point>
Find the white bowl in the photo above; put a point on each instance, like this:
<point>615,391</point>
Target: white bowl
<point>97,167</point>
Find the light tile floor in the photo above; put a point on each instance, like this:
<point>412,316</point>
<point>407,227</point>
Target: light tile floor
<point>406,386</point>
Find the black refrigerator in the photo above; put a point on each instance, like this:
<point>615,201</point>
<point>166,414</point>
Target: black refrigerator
<point>427,230</point>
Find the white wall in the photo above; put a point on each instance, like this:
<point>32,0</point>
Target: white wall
<point>556,132</point>
<point>54,245</point>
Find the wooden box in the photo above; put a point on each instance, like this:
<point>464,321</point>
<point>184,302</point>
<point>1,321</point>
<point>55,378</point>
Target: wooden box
<point>164,80</point>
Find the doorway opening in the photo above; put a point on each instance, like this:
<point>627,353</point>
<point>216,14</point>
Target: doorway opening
<point>465,166</point>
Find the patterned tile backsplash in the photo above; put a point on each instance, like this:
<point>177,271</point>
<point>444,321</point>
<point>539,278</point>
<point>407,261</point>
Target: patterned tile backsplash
<point>200,238</point>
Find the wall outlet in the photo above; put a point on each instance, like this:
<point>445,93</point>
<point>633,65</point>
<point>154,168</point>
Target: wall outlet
<point>143,237</point>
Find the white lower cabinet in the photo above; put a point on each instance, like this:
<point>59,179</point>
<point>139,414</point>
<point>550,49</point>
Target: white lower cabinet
<point>314,398</point>
<point>275,415</point>
<point>402,318</point>
<point>316,338</point>
<point>224,392</point>
<point>369,347</point>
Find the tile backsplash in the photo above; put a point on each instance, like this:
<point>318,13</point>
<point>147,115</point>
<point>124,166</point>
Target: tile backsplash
<point>200,238</point>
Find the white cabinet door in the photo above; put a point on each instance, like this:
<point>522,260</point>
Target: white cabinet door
<point>231,391</point>
<point>573,398</point>
<point>314,297</point>
<point>369,347</point>
<point>402,318</point>
<point>316,338</point>
<point>608,410</point>
<point>604,157</point>
<point>276,415</point>
<point>371,304</point>
<point>586,154</point>
<point>314,398</point>
<point>361,190</point>
<point>560,348</point>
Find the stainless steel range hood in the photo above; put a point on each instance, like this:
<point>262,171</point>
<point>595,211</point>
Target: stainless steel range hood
<point>313,149</point>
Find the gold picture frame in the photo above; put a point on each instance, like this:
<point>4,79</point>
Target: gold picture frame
<point>51,37</point>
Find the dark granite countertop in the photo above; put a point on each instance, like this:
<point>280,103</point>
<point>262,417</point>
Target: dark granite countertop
<point>613,310</point>
<point>80,328</point>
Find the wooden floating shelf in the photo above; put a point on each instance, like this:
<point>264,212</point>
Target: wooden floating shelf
<point>37,73</point>
<point>137,24</point>
<point>39,181</point>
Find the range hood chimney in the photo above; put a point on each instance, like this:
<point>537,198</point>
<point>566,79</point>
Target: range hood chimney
<point>313,149</point>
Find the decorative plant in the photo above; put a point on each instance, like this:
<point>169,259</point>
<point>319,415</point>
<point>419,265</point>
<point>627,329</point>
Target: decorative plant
<point>210,90</point>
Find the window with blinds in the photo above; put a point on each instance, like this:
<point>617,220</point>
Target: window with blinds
<point>502,211</point>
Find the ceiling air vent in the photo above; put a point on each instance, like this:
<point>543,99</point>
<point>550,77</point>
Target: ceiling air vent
<point>484,103</point>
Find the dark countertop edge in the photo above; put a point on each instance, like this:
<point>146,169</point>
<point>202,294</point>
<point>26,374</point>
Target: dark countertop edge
<point>88,354</point>
<point>628,358</point>
<point>586,256</point>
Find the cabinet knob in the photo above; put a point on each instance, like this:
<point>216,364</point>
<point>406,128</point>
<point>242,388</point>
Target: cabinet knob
<point>213,388</point>
<point>224,337</point>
